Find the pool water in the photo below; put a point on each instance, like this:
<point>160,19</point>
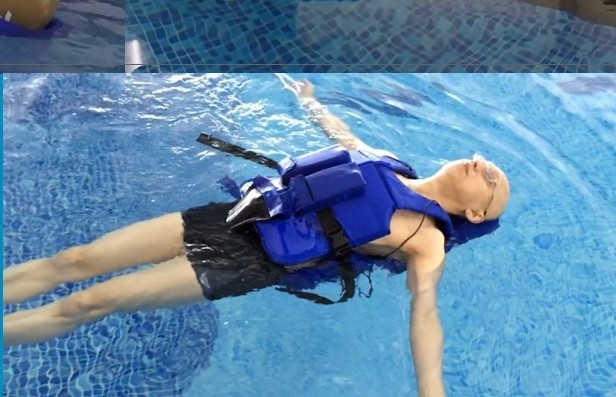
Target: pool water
<point>365,36</point>
<point>91,38</point>
<point>527,310</point>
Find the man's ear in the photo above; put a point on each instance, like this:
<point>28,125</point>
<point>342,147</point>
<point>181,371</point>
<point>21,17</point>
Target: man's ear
<point>474,216</point>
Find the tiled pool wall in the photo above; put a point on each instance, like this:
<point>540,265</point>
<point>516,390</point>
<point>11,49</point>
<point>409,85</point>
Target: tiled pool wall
<point>367,35</point>
<point>595,11</point>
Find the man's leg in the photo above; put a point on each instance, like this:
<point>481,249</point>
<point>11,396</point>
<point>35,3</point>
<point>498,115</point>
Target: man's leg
<point>169,284</point>
<point>154,240</point>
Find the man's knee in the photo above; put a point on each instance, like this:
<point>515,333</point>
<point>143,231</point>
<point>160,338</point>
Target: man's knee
<point>70,265</point>
<point>85,306</point>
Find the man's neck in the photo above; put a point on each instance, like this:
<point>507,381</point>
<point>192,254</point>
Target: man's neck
<point>430,189</point>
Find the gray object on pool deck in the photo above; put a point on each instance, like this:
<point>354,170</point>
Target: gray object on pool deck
<point>85,37</point>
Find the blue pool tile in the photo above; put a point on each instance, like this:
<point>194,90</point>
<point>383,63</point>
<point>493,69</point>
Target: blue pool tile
<point>367,35</point>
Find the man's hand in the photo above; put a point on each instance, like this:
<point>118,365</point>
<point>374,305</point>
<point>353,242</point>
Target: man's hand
<point>333,126</point>
<point>305,89</point>
<point>300,88</point>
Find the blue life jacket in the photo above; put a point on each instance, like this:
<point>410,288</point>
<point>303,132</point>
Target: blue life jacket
<point>359,188</point>
<point>364,193</point>
<point>12,30</point>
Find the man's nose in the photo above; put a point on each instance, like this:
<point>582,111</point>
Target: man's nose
<point>479,164</point>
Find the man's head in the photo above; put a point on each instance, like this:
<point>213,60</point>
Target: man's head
<point>475,188</point>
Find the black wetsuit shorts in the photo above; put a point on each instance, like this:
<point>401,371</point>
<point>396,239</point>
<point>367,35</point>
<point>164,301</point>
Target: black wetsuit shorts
<point>226,262</point>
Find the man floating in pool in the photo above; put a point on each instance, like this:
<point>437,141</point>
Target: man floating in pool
<point>336,205</point>
<point>28,14</point>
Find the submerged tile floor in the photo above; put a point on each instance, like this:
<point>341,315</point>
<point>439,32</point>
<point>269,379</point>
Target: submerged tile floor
<point>366,35</point>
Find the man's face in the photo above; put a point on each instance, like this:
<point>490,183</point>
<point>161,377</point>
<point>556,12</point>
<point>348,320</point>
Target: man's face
<point>476,184</point>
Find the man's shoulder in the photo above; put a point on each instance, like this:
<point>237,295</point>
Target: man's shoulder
<point>428,239</point>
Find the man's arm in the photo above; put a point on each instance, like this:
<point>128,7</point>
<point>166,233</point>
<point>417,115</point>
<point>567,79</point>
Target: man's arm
<point>426,334</point>
<point>333,126</point>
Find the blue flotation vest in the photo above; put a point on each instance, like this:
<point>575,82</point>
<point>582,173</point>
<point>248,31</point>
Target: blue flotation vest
<point>12,30</point>
<point>358,189</point>
<point>289,222</point>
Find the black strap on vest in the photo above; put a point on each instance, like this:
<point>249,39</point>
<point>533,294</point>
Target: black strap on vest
<point>236,150</point>
<point>347,279</point>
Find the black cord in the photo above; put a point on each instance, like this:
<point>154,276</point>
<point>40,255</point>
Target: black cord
<point>414,233</point>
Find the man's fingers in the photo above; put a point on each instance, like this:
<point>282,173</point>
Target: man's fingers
<point>297,86</point>
<point>289,83</point>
